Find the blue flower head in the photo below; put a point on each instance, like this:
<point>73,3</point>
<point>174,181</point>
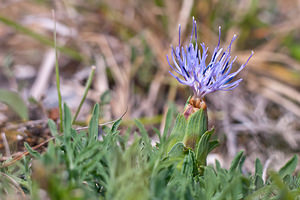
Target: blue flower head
<point>190,64</point>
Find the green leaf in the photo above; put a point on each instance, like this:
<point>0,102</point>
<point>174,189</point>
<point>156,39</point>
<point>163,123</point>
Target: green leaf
<point>218,165</point>
<point>196,127</point>
<point>93,125</point>
<point>258,181</point>
<point>284,192</point>
<point>232,189</point>
<point>50,152</point>
<point>157,132</point>
<point>67,122</point>
<point>52,127</point>
<point>189,167</point>
<point>15,102</point>
<point>178,131</point>
<point>169,119</point>
<point>203,148</point>
<point>90,164</point>
<point>289,167</point>
<point>236,161</point>
<point>32,152</point>
<point>67,136</point>
<point>178,150</point>
<point>144,133</point>
<point>212,145</point>
<point>116,125</point>
<point>258,167</point>
<point>87,153</point>
<point>210,180</point>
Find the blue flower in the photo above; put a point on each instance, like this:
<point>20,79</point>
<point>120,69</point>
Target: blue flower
<point>190,64</point>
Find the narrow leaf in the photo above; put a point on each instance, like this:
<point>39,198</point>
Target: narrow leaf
<point>203,148</point>
<point>32,152</point>
<point>144,133</point>
<point>15,102</point>
<point>178,131</point>
<point>258,167</point>
<point>289,167</point>
<point>169,119</point>
<point>210,182</point>
<point>177,150</point>
<point>116,125</point>
<point>212,145</point>
<point>67,124</point>
<point>52,127</point>
<point>93,125</point>
<point>236,161</point>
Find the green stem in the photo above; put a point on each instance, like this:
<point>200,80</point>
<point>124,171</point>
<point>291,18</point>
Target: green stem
<point>87,87</point>
<point>57,77</point>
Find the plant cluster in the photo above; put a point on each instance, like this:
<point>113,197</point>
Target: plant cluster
<point>99,163</point>
<point>102,164</point>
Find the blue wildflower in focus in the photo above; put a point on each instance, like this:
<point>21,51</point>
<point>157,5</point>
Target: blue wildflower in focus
<point>190,63</point>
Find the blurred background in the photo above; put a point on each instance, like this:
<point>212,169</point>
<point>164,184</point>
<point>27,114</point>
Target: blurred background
<point>127,41</point>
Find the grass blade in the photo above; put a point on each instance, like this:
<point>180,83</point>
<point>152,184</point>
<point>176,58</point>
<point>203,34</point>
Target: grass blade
<point>57,75</point>
<point>87,87</point>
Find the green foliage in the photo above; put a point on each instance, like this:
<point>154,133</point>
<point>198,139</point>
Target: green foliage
<point>178,131</point>
<point>258,181</point>
<point>15,102</point>
<point>32,151</point>
<point>101,164</point>
<point>204,147</point>
<point>289,167</point>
